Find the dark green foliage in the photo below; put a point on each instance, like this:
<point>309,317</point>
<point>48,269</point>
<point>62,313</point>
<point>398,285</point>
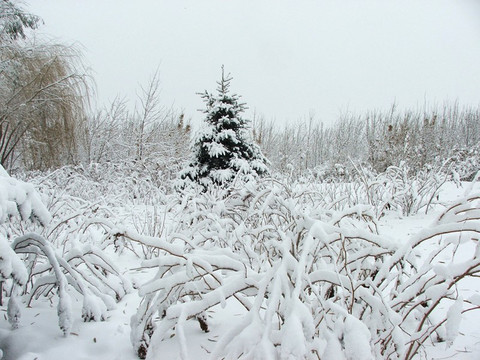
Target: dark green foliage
<point>224,148</point>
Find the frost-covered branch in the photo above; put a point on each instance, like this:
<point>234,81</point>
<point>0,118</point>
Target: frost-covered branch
<point>315,282</point>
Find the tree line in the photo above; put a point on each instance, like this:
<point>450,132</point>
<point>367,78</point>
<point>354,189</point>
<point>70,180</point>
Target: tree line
<point>377,139</point>
<point>47,120</point>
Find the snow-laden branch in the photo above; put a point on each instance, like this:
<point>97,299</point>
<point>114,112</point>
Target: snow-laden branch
<point>38,267</point>
<point>318,283</point>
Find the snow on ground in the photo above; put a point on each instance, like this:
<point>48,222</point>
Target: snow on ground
<point>39,337</point>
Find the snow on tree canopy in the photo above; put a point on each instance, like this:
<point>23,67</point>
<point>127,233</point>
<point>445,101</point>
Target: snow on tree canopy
<point>223,149</point>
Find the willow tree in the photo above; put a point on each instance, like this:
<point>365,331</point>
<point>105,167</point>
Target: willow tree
<point>43,95</point>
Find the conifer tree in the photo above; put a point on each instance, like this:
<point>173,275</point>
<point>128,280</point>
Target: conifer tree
<point>224,149</point>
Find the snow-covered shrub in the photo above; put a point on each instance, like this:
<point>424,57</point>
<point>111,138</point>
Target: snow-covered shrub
<point>42,267</point>
<point>313,282</point>
<point>78,195</point>
<point>11,267</point>
<point>399,188</point>
<point>466,162</point>
<point>106,184</point>
<point>18,200</point>
<point>424,288</point>
<point>333,173</point>
<point>407,192</point>
<point>262,246</point>
<point>85,268</point>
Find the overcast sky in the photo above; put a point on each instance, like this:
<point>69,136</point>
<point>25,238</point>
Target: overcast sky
<point>289,59</point>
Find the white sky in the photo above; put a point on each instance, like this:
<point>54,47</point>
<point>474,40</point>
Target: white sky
<point>288,58</point>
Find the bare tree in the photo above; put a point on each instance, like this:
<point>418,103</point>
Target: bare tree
<point>103,136</point>
<point>152,135</point>
<point>150,111</point>
<point>377,139</point>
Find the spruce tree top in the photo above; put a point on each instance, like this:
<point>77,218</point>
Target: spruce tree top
<point>224,148</point>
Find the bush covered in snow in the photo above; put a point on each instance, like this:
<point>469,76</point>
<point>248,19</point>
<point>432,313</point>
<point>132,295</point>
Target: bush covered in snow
<point>18,200</point>
<point>304,260</point>
<point>401,189</point>
<point>53,258</point>
<point>313,282</point>
<point>398,188</point>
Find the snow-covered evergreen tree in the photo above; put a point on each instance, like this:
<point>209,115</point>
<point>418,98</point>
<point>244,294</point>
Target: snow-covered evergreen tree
<point>224,148</point>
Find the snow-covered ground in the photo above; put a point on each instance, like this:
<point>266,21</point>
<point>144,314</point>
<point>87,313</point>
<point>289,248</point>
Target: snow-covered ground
<point>39,337</point>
